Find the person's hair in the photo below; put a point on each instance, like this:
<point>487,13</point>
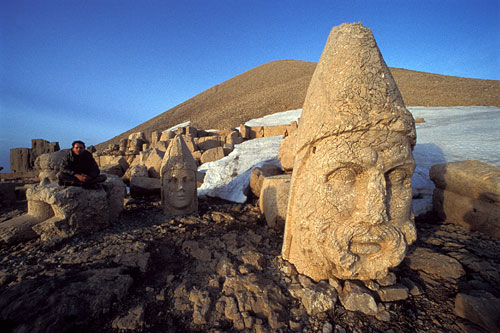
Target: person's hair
<point>77,141</point>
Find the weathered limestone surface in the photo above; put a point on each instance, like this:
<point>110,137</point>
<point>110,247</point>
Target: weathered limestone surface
<point>49,165</point>
<point>153,162</point>
<point>349,214</point>
<point>144,186</point>
<point>467,193</point>
<point>481,308</point>
<point>212,154</point>
<point>273,200</point>
<point>472,179</point>
<point>286,152</point>
<point>178,179</point>
<point>258,174</point>
<point>20,159</point>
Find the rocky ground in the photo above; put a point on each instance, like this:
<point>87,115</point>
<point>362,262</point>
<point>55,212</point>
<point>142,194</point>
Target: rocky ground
<point>221,271</point>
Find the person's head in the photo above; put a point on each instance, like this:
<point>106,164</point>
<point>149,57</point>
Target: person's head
<point>78,147</point>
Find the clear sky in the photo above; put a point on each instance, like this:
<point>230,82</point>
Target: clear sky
<point>92,69</point>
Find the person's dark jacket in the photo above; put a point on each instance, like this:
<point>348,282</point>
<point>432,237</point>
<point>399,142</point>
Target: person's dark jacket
<point>77,164</point>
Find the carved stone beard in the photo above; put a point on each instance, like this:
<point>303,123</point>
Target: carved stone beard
<point>352,251</point>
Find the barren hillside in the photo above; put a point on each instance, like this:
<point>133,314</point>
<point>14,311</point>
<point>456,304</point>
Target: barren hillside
<point>281,85</point>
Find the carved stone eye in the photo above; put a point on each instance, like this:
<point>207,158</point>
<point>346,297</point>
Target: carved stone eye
<point>345,176</point>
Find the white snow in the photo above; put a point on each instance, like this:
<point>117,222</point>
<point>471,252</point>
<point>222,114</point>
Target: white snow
<point>448,134</point>
<point>228,178</point>
<point>280,118</point>
<point>174,128</point>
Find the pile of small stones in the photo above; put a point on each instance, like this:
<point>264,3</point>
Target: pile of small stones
<point>221,270</point>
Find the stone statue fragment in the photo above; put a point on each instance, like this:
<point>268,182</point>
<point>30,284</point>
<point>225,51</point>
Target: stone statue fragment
<point>178,179</point>
<point>349,214</point>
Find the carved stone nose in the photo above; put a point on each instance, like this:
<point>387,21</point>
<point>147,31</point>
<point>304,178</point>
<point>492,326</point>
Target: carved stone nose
<point>376,207</point>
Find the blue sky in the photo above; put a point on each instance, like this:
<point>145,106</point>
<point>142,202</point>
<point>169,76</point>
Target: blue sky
<point>93,69</point>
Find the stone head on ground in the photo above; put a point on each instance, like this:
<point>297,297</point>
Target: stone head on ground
<point>178,179</point>
<point>349,213</point>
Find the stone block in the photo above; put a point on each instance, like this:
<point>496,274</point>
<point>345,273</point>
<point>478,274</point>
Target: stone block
<point>112,169</point>
<point>286,152</point>
<point>167,135</point>
<point>208,142</point>
<point>192,131</point>
<point>40,146</point>
<point>188,139</point>
<point>144,186</point>
<point>228,148</point>
<point>256,132</point>
<point>276,130</point>
<point>273,200</point>
<point>155,137</point>
<point>161,145</point>
<point>20,159</point>
<point>479,307</point>
<point>258,174</point>
<point>472,214</point>
<point>123,145</point>
<point>153,162</point>
<point>212,154</point>
<point>473,179</point>
<point>137,135</point>
<point>233,138</point>
<point>136,144</point>
<point>245,131</point>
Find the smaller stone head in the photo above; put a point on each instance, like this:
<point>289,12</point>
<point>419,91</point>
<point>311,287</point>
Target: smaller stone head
<point>178,175</point>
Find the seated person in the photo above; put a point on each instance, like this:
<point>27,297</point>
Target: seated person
<point>79,168</point>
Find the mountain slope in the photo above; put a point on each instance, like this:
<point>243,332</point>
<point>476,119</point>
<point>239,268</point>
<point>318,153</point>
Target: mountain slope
<point>281,85</point>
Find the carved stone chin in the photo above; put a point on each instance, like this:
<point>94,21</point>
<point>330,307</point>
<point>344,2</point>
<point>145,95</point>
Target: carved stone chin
<point>349,214</point>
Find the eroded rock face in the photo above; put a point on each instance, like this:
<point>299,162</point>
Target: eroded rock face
<point>349,214</point>
<point>178,179</point>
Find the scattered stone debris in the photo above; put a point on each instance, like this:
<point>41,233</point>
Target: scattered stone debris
<point>221,270</point>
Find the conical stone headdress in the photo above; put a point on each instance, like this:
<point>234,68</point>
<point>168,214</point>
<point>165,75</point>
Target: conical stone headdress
<point>178,156</point>
<point>352,90</point>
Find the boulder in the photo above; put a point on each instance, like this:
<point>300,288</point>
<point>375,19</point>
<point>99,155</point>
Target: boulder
<point>355,297</point>
<point>161,145</point>
<point>471,179</point>
<point>258,174</point>
<point>144,186</point>
<point>155,137</point>
<point>112,169</point>
<point>208,142</point>
<point>273,200</point>
<point>153,162</point>
<point>286,152</point>
<point>212,154</point>
<point>276,130</point>
<point>467,193</point>
<point>137,135</point>
<point>479,307</point>
<point>436,265</point>
<point>472,214</point>
<point>245,132</point>
<point>234,138</point>
<point>167,135</point>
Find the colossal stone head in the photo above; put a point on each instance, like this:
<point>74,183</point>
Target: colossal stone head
<point>349,214</point>
<point>178,179</point>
